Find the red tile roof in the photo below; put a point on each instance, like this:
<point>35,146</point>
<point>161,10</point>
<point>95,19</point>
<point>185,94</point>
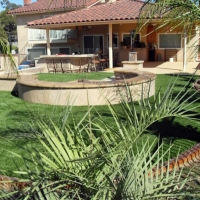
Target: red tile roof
<point>119,10</point>
<point>53,5</point>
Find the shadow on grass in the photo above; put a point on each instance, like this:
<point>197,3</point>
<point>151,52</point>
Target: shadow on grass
<point>15,94</point>
<point>173,130</point>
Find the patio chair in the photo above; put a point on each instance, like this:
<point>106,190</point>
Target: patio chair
<point>58,65</point>
<point>74,67</point>
<point>50,65</point>
<point>103,62</point>
<point>93,63</point>
<point>66,65</point>
<point>115,58</point>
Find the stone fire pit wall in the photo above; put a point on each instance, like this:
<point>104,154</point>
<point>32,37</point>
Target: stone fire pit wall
<point>133,56</point>
<point>86,92</point>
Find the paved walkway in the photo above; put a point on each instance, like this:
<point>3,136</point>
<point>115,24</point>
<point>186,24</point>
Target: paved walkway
<point>154,67</point>
<point>170,67</point>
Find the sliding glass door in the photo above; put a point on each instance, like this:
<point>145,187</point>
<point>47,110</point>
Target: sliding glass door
<point>92,43</point>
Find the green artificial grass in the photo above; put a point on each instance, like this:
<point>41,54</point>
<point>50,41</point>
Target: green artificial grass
<point>182,133</point>
<point>74,76</point>
<point>18,117</point>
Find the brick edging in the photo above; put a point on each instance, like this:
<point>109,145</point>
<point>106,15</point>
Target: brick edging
<point>185,159</point>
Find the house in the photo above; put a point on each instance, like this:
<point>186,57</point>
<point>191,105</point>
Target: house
<point>32,42</point>
<point>87,25</point>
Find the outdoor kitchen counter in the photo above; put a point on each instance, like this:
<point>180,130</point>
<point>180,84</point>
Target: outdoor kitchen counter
<point>76,60</point>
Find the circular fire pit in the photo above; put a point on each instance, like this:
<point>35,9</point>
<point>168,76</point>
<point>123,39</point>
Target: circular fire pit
<point>84,92</point>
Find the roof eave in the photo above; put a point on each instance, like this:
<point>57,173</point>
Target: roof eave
<point>49,11</point>
<point>65,25</point>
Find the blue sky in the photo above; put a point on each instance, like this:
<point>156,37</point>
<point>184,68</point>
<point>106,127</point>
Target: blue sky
<point>19,2</point>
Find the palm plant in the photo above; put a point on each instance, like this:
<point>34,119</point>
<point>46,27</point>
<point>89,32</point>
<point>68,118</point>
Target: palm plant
<point>6,51</point>
<point>181,15</point>
<point>95,160</point>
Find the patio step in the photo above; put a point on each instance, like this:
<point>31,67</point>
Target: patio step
<point>171,53</point>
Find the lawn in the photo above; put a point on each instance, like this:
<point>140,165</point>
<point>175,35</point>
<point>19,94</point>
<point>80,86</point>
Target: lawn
<point>74,76</point>
<point>17,121</point>
<point>180,132</point>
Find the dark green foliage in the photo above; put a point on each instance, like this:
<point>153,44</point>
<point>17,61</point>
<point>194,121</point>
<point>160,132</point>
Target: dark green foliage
<point>8,28</point>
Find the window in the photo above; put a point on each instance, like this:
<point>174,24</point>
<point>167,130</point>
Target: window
<point>60,50</point>
<point>58,34</point>
<point>40,34</point>
<point>126,38</point>
<point>115,40</point>
<point>35,52</point>
<point>72,33</point>
<point>92,43</point>
<point>169,41</point>
<point>36,34</point>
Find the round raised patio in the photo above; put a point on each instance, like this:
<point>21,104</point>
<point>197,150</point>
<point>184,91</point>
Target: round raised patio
<point>84,92</point>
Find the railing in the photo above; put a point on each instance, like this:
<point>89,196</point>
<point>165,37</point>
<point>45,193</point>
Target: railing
<point>39,34</point>
<point>23,53</point>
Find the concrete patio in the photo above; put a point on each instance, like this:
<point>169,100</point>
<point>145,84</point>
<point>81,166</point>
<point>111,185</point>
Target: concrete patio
<point>168,67</point>
<point>171,67</point>
<point>154,67</point>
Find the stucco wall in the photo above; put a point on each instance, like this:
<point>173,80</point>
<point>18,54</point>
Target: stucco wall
<point>192,41</point>
<point>117,29</point>
<point>142,52</point>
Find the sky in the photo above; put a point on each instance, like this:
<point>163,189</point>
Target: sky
<point>18,2</point>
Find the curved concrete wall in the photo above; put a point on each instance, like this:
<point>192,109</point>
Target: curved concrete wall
<point>8,83</point>
<point>86,92</point>
<point>8,79</point>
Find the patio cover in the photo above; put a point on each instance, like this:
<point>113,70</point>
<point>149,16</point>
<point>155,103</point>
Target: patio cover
<point>123,11</point>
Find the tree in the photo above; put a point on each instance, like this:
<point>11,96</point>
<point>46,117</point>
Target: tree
<point>8,22</point>
<point>9,6</point>
<point>9,27</point>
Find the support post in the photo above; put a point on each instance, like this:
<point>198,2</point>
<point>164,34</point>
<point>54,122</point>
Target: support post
<point>196,46</point>
<point>110,47</point>
<point>184,50</point>
<point>48,42</point>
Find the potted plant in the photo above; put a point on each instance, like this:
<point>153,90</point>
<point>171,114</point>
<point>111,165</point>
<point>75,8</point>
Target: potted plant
<point>141,44</point>
<point>123,44</point>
